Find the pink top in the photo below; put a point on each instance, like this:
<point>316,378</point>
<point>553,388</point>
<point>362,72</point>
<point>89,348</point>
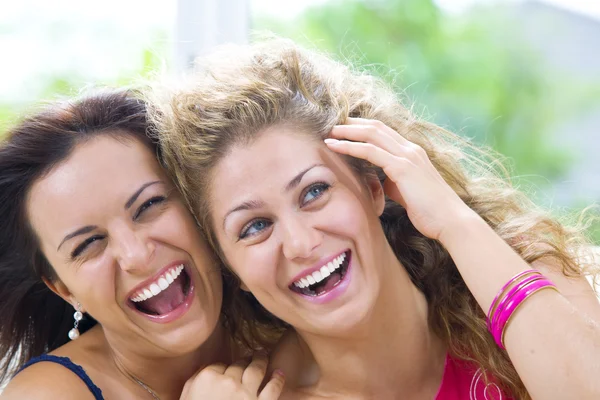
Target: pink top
<point>463,381</point>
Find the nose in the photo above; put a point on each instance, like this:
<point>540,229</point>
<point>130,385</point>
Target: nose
<point>299,237</point>
<point>133,249</point>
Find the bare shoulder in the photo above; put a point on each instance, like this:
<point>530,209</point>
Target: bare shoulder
<point>46,380</point>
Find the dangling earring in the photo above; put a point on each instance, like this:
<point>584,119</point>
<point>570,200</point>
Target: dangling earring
<point>74,333</point>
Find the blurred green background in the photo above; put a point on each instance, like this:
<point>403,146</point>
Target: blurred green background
<point>521,77</point>
<point>495,73</point>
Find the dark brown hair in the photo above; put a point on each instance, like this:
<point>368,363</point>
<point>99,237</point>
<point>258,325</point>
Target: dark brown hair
<point>33,319</point>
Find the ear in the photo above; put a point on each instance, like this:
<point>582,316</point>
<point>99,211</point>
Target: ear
<point>376,192</point>
<point>60,289</point>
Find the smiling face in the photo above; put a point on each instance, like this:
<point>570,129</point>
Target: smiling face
<point>300,229</point>
<point>124,245</point>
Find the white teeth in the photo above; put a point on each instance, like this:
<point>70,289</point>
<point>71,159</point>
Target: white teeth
<point>169,278</point>
<point>158,286</point>
<point>163,284</point>
<point>317,275</point>
<point>331,267</point>
<point>322,273</point>
<point>155,289</point>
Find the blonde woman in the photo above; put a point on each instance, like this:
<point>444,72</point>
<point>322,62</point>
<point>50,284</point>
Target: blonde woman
<point>407,266</point>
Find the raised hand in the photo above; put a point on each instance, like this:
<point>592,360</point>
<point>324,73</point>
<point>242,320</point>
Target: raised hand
<point>412,180</point>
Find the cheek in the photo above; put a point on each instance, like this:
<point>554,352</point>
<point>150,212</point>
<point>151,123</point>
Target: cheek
<point>183,234</point>
<point>178,228</point>
<point>255,266</point>
<point>93,284</point>
<point>347,216</point>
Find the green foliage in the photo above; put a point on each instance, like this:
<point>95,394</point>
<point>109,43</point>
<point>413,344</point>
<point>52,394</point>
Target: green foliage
<point>7,117</point>
<point>472,75</point>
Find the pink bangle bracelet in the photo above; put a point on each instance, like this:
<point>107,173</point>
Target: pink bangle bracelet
<point>514,303</point>
<point>510,294</point>
<point>510,281</point>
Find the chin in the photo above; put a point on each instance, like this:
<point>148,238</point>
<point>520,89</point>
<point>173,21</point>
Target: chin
<point>343,322</point>
<point>188,338</point>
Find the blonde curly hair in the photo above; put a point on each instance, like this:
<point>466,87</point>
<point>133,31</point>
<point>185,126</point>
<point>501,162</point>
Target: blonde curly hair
<point>238,92</point>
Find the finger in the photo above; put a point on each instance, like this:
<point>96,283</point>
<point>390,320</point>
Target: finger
<point>366,151</point>
<point>381,126</point>
<point>274,387</point>
<point>236,370</point>
<point>366,134</point>
<point>255,373</point>
<point>379,134</point>
<point>186,390</point>
<point>218,368</point>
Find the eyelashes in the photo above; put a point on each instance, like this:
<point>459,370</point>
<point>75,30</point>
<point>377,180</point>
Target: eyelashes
<point>150,203</point>
<point>312,193</point>
<point>254,227</point>
<point>315,190</point>
<point>79,249</point>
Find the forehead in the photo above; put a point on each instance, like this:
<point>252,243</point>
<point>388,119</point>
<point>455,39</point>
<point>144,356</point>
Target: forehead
<point>98,172</point>
<point>270,157</point>
<point>276,145</point>
<point>267,164</point>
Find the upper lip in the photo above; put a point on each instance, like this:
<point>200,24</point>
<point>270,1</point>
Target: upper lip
<point>316,267</point>
<point>153,278</point>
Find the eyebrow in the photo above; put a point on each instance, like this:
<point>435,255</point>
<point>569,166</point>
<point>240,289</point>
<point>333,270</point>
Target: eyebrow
<point>134,197</point>
<point>80,231</point>
<point>247,205</point>
<point>89,228</point>
<point>253,204</point>
<point>298,178</point>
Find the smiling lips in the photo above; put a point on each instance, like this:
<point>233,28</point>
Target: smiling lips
<point>322,273</point>
<point>325,282</point>
<point>162,283</point>
<point>167,296</point>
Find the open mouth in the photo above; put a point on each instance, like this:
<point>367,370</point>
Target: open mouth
<point>165,294</point>
<point>325,279</point>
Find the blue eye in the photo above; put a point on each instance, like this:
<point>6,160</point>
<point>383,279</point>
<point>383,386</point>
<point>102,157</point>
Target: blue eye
<point>254,227</point>
<point>314,192</point>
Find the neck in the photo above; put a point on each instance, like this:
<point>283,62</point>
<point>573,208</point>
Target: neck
<point>166,375</point>
<point>392,353</point>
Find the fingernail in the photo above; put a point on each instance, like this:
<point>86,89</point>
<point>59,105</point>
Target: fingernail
<point>331,141</point>
<point>279,372</point>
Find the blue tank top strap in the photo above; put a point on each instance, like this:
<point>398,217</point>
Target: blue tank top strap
<point>67,363</point>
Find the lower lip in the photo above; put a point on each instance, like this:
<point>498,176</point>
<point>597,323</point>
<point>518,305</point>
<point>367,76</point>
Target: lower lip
<point>175,313</point>
<point>334,293</point>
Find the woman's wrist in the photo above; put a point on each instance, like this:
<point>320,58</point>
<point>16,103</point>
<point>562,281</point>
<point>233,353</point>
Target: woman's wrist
<point>464,225</point>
